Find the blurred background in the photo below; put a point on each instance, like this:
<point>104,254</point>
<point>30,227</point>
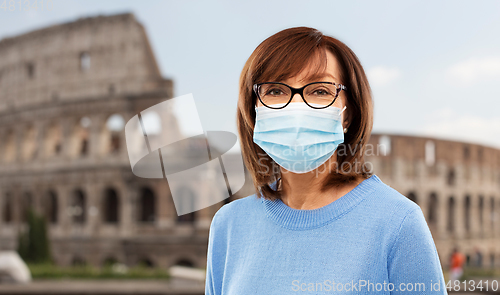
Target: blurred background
<point>73,216</point>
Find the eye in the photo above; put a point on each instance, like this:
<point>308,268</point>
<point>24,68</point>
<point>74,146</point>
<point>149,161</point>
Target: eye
<point>274,92</point>
<point>321,92</point>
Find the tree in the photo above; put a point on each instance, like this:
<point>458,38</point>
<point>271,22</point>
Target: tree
<point>33,244</point>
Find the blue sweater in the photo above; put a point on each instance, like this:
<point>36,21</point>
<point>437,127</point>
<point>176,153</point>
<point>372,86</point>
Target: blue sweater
<point>370,241</point>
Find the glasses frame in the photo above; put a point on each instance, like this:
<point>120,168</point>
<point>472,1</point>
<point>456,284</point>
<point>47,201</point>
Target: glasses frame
<point>300,91</point>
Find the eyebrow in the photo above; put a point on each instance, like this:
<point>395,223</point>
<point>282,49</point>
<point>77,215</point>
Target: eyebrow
<point>319,77</point>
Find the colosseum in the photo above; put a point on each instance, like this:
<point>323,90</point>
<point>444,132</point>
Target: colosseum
<point>457,186</point>
<point>66,92</point>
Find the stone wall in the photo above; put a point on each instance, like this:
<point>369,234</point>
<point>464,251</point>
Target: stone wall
<point>456,184</point>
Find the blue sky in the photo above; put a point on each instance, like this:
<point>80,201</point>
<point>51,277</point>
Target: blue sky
<point>434,66</point>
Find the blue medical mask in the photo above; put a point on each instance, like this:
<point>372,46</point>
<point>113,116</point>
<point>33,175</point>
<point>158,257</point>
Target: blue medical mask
<point>298,137</point>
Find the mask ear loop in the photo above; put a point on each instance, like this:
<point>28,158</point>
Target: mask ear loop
<point>343,109</point>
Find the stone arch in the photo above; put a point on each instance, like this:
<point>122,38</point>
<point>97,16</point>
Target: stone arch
<point>7,208</point>
<point>466,152</point>
<point>480,209</point>
<point>29,143</point>
<point>53,139</point>
<point>146,262</point>
<point>78,207</point>
<point>78,260</point>
<point>10,146</point>
<point>450,224</point>
<point>450,177</point>
<point>430,153</point>
<point>432,208</point>
<point>413,197</point>
<point>51,206</point>
<point>111,206</point>
<point>111,134</point>
<point>26,204</point>
<point>30,70</point>
<point>467,209</point>
<point>492,212</point>
<point>497,214</point>
<point>186,203</point>
<point>147,205</point>
<point>84,61</point>
<point>109,260</point>
<point>384,145</point>
<point>80,137</point>
<point>184,262</point>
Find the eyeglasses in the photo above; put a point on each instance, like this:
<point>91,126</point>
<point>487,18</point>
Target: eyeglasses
<point>317,95</point>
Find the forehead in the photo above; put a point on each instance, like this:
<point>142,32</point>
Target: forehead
<point>322,67</point>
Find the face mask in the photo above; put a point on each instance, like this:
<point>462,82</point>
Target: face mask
<point>298,137</point>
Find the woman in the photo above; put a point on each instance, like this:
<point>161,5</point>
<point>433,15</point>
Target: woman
<point>320,221</point>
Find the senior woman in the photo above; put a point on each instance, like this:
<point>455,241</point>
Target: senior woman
<point>320,220</point>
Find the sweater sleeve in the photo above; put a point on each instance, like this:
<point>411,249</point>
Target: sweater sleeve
<point>413,262</point>
<point>213,280</point>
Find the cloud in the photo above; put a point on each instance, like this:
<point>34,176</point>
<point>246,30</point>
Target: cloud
<point>382,76</point>
<point>448,124</point>
<point>475,69</point>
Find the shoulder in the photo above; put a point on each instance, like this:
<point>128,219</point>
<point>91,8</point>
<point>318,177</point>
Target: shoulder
<point>393,203</point>
<point>237,208</point>
<point>403,217</point>
<point>392,212</point>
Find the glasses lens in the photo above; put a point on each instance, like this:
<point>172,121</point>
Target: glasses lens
<point>320,93</point>
<point>274,95</point>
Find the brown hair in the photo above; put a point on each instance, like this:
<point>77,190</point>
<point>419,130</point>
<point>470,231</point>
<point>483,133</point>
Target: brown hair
<point>284,55</point>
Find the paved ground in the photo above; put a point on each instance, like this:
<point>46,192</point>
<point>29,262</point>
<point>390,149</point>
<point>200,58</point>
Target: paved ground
<point>122,287</point>
<point>106,287</point>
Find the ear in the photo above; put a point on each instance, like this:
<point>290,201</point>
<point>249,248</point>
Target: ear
<point>346,118</point>
<point>345,123</point>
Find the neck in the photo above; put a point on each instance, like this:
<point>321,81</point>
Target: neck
<point>303,191</point>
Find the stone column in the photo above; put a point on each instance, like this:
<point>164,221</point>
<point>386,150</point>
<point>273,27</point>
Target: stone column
<point>423,199</point>
<point>474,231</point>
<point>67,125</point>
<point>16,211</point>
<point>93,210</point>
<point>396,168</point>
<point>95,129</point>
<point>486,217</point>
<point>496,218</point>
<point>441,215</point>
<point>129,195</point>
<point>122,153</point>
<point>18,137</point>
<point>204,216</point>
<point>40,129</point>
<point>459,220</point>
<point>63,215</point>
<point>37,195</point>
<point>2,205</point>
<point>164,204</point>
<point>3,135</point>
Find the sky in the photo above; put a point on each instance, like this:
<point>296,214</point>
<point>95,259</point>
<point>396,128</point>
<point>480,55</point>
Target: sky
<point>434,66</point>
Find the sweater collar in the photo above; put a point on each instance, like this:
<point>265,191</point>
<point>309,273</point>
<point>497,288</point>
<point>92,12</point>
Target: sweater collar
<point>297,219</point>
